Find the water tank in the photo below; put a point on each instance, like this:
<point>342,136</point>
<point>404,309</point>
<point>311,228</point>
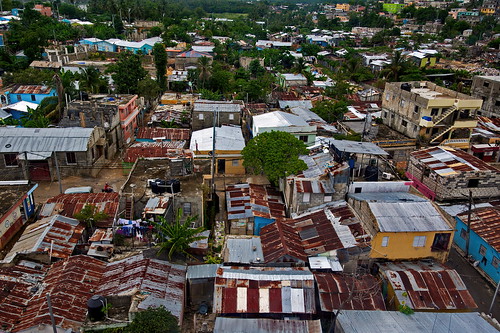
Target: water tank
<point>406,86</point>
<point>95,306</point>
<point>371,173</point>
<point>173,186</point>
<point>158,186</point>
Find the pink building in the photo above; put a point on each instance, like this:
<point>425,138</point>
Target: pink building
<point>129,110</point>
<point>45,11</point>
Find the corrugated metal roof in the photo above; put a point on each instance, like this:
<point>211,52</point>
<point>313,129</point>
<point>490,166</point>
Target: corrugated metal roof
<point>354,321</point>
<point>15,140</point>
<point>264,290</point>
<point>485,222</point>
<point>70,283</point>
<point>357,147</point>
<point>174,134</point>
<point>32,89</point>
<point>71,204</point>
<point>346,292</point>
<point>260,325</point>
<point>446,161</point>
<point>249,200</point>
<point>313,233</point>
<point>319,164</point>
<point>278,119</point>
<point>408,217</point>
<point>163,282</point>
<point>202,271</point>
<point>313,186</point>
<point>226,138</point>
<point>57,235</point>
<point>243,250</point>
<point>102,235</point>
<point>423,286</point>
<point>387,197</point>
<point>18,284</point>
<point>211,106</point>
<point>157,205</point>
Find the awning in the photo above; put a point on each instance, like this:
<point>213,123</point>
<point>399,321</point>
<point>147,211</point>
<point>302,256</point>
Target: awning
<point>38,156</point>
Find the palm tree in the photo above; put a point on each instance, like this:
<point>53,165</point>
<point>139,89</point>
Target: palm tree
<point>395,68</point>
<point>205,70</point>
<point>177,236</point>
<point>91,80</point>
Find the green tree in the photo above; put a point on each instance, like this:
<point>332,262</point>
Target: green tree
<point>127,72</point>
<point>310,49</point>
<point>90,215</point>
<point>91,80</point>
<point>149,89</point>
<point>330,111</point>
<point>255,68</point>
<point>153,320</point>
<point>160,58</point>
<point>175,237</point>
<point>275,154</point>
<point>205,70</point>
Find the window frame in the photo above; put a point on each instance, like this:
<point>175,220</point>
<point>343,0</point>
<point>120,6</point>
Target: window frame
<point>419,241</point>
<point>306,197</point>
<point>11,164</point>
<point>385,241</point>
<point>482,250</point>
<point>71,153</point>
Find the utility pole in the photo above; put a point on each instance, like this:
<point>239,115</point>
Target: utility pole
<point>212,180</point>
<point>52,320</point>
<point>494,297</point>
<point>467,241</point>
<point>58,173</point>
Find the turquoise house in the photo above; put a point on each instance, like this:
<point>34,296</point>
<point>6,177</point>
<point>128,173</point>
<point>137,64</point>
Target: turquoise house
<point>484,244</point>
<point>30,93</point>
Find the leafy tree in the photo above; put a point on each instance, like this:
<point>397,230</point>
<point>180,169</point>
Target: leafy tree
<point>255,68</point>
<point>127,72</point>
<point>153,320</point>
<point>160,58</point>
<point>90,215</point>
<point>205,70</point>
<point>330,111</point>
<point>149,89</point>
<point>91,80</point>
<point>175,237</point>
<point>275,154</point>
<point>30,76</point>
<point>340,90</point>
<point>310,49</point>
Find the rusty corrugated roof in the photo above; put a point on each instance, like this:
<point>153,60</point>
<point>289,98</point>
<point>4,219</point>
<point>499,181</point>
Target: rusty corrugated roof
<point>174,134</point>
<point>70,283</point>
<point>71,204</point>
<point>427,286</point>
<point>485,222</point>
<point>264,290</point>
<point>248,200</point>
<point>102,235</point>
<point>447,161</point>
<point>346,292</point>
<point>32,89</point>
<point>311,234</point>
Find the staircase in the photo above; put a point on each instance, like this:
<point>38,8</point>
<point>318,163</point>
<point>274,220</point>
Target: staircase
<point>129,214</point>
<point>445,114</point>
<point>437,135</point>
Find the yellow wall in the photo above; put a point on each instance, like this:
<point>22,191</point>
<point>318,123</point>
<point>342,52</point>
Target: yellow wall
<point>228,156</point>
<point>400,246</point>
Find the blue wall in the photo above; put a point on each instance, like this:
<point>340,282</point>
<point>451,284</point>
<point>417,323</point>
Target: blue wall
<point>475,242</point>
<point>259,223</point>
<point>13,98</point>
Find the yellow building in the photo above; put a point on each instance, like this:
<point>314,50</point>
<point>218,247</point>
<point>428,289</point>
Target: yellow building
<point>229,143</point>
<point>343,6</point>
<point>403,226</point>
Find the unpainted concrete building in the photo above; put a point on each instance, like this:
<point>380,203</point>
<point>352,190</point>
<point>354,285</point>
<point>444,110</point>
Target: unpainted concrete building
<point>487,88</point>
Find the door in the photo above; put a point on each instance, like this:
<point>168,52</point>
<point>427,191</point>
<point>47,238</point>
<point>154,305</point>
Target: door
<point>221,166</point>
<point>39,170</point>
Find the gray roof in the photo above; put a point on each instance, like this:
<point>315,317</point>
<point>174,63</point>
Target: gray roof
<point>306,114</point>
<point>304,103</point>
<point>259,325</point>
<point>357,147</point>
<point>210,106</point>
<point>15,140</point>
<point>316,164</point>
<point>202,271</point>
<point>407,216</point>
<point>362,321</point>
<point>278,119</point>
<point>243,250</point>
<point>387,197</point>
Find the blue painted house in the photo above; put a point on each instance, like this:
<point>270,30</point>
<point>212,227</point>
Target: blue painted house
<point>484,245</point>
<point>30,93</point>
<point>19,109</point>
<point>108,45</point>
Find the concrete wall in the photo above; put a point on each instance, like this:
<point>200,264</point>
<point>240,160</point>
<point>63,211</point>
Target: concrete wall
<point>455,187</point>
<point>208,119</point>
<point>490,95</point>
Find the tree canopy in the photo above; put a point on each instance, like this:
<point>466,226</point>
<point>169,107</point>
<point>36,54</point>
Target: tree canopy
<point>127,72</point>
<point>275,154</point>
<point>153,320</point>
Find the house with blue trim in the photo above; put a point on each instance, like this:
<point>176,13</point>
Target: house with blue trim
<point>30,93</point>
<point>484,244</point>
<point>19,109</point>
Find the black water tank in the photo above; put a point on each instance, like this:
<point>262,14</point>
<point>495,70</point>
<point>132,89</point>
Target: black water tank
<point>95,306</point>
<point>371,173</point>
<point>173,186</point>
<point>406,86</point>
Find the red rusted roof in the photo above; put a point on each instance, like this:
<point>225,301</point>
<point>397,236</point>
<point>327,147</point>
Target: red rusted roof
<point>164,149</point>
<point>162,281</point>
<point>250,200</point>
<point>264,290</point>
<point>70,283</point>
<point>32,89</point>
<point>71,204</point>
<point>311,234</point>
<point>485,222</point>
<point>17,285</point>
<point>343,291</point>
<point>448,161</point>
<point>102,235</point>
<point>427,287</point>
<point>173,134</point>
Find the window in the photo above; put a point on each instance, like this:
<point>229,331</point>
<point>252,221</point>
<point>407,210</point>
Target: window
<point>186,208</point>
<point>10,160</point>
<point>385,114</point>
<point>482,250</point>
<point>495,262</point>
<point>33,98</point>
<point>71,158</point>
<point>404,123</point>
<point>416,109</point>
<point>235,163</point>
<point>19,98</point>
<point>434,111</point>
<point>497,103</point>
<point>306,197</point>
<point>385,241</point>
<point>463,233</point>
<point>402,103</point>
<point>419,241</point>
<point>328,197</point>
<point>303,138</point>
<point>231,116</point>
<point>200,116</point>
<point>427,172</point>
<point>358,189</point>
<point>441,242</point>
<point>473,183</point>
<point>414,128</point>
<point>387,96</point>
